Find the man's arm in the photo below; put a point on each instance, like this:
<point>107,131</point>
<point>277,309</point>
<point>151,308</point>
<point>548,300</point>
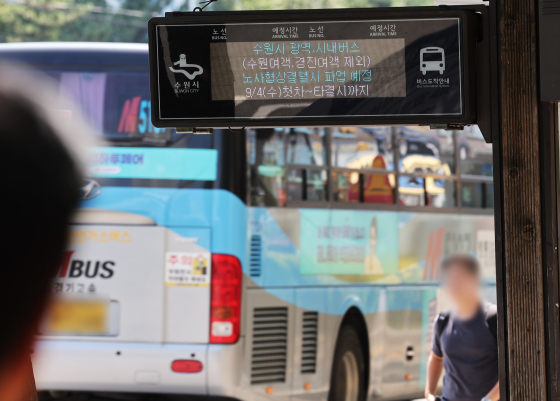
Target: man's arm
<point>494,394</point>
<point>434,370</point>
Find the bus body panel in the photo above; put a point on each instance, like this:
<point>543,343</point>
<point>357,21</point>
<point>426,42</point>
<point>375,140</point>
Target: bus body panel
<point>126,265</point>
<point>135,367</point>
<point>399,306</point>
<point>313,247</point>
<point>389,333</point>
<point>319,380</point>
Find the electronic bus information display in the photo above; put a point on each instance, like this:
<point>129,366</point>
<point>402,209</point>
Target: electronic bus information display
<point>361,68</point>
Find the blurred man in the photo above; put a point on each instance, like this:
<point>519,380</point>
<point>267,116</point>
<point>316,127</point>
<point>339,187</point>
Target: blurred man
<point>39,189</point>
<point>464,338</point>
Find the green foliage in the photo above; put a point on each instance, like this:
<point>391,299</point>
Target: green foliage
<point>313,4</point>
<point>33,22</point>
<point>112,25</point>
<point>95,20</point>
<point>76,20</point>
<point>296,4</point>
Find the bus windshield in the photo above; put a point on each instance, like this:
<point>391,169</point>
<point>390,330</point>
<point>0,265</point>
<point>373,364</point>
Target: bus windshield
<point>133,152</point>
<point>116,103</point>
<point>432,56</point>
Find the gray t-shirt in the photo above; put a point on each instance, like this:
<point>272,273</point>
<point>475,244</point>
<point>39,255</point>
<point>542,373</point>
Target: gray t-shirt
<point>470,357</point>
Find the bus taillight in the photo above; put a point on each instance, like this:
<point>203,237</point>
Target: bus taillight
<point>186,366</point>
<point>225,304</point>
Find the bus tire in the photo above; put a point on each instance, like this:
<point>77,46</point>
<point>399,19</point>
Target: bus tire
<point>348,377</point>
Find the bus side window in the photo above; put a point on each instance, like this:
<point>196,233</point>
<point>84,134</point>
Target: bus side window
<point>266,160</point>
<point>307,178</point>
<point>426,159</point>
<point>360,157</point>
<point>308,185</point>
<point>476,172</point>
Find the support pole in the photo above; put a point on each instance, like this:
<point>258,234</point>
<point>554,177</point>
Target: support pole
<point>526,372</point>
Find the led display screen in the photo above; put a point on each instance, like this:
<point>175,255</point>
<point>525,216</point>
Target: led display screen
<point>362,70</point>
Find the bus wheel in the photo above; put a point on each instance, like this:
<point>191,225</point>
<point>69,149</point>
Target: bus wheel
<point>348,372</point>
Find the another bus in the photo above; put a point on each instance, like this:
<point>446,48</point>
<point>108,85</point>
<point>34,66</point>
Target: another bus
<point>267,264</point>
<point>432,59</point>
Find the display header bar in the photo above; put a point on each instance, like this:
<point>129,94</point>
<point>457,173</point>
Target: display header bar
<point>317,67</point>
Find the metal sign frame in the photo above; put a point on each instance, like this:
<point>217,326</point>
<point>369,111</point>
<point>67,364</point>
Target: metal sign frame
<point>468,42</point>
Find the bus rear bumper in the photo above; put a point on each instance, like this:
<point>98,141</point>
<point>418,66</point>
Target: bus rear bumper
<point>100,366</point>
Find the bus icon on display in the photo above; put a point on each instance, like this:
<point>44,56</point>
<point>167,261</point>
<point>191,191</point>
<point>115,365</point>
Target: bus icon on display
<point>432,59</point>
